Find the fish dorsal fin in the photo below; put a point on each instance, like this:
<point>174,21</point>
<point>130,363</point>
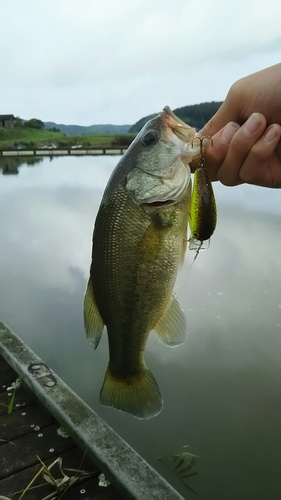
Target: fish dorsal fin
<point>171,327</point>
<point>93,322</point>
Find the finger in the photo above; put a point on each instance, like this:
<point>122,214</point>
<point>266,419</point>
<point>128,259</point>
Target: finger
<point>224,115</point>
<point>215,151</point>
<point>239,148</point>
<point>278,149</point>
<point>262,165</point>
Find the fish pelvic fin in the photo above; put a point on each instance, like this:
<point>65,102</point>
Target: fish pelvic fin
<point>93,322</point>
<point>138,395</point>
<point>171,327</point>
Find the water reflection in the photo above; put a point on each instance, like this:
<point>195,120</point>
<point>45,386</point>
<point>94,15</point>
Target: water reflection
<point>11,165</point>
<point>222,389</point>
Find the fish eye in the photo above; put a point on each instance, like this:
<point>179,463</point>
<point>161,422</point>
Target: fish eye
<point>150,138</point>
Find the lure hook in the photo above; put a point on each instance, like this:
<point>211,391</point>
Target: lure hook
<point>201,139</point>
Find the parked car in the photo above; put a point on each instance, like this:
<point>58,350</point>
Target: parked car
<point>48,146</point>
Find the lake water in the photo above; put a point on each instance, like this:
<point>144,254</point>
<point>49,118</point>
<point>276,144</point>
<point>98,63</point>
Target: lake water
<point>222,388</point>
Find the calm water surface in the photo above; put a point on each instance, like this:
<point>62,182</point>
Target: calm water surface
<point>222,388</point>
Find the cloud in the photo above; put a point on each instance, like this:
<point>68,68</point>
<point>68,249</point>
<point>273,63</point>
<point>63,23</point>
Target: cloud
<point>105,61</point>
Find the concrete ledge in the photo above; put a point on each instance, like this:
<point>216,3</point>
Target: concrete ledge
<point>110,150</point>
<point>127,470</point>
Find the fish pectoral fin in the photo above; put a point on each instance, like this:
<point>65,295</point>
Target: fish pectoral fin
<point>93,322</point>
<point>150,243</point>
<point>138,395</point>
<point>171,327</point>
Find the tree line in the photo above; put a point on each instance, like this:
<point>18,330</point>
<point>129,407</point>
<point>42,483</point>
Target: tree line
<point>32,123</point>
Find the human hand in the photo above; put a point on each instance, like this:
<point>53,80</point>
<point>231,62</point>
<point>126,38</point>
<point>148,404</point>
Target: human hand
<point>251,152</point>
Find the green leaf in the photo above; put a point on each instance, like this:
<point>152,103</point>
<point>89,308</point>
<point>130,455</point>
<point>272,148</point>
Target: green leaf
<point>11,403</point>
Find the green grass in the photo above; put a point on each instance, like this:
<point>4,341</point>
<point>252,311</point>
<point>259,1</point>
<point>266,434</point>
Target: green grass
<point>26,137</point>
<point>96,141</point>
<point>33,138</point>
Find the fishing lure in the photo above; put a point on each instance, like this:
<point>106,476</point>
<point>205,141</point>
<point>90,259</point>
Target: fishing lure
<point>203,212</point>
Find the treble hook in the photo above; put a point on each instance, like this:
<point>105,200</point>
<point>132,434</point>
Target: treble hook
<point>201,139</point>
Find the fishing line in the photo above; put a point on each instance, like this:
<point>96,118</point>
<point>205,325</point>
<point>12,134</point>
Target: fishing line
<point>83,457</point>
<point>157,339</point>
<point>189,269</point>
<point>122,386</point>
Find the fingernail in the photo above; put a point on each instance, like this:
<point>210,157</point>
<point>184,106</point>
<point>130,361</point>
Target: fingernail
<point>229,131</point>
<point>270,134</point>
<point>252,124</point>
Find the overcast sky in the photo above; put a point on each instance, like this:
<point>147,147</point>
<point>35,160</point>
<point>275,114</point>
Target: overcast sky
<point>115,61</point>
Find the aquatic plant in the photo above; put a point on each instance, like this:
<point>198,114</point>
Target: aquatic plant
<point>13,387</point>
<point>181,464</point>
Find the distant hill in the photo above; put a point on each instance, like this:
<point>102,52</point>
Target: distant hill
<point>196,115</point>
<point>107,129</point>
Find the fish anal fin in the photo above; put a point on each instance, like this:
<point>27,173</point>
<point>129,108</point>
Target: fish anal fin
<point>171,327</point>
<point>93,322</point>
<point>138,395</point>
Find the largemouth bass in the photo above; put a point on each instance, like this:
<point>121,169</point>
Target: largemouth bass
<point>139,242</point>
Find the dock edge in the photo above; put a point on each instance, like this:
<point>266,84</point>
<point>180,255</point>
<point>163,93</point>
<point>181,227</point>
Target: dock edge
<point>120,463</point>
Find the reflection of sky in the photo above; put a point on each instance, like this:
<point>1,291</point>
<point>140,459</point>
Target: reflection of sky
<point>222,388</point>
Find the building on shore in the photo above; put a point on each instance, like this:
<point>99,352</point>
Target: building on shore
<point>7,121</point>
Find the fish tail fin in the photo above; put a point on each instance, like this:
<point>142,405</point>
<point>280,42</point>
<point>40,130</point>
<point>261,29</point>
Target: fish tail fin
<point>138,395</point>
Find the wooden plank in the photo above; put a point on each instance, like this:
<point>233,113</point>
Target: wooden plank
<point>21,430</point>
<point>23,399</point>
<point>90,490</point>
<point>74,459</point>
<point>7,378</point>
<point>3,365</point>
<point>23,422</point>
<point>23,451</point>
<point>128,471</point>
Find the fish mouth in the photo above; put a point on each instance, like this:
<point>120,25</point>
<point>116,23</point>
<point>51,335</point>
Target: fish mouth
<point>183,131</point>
